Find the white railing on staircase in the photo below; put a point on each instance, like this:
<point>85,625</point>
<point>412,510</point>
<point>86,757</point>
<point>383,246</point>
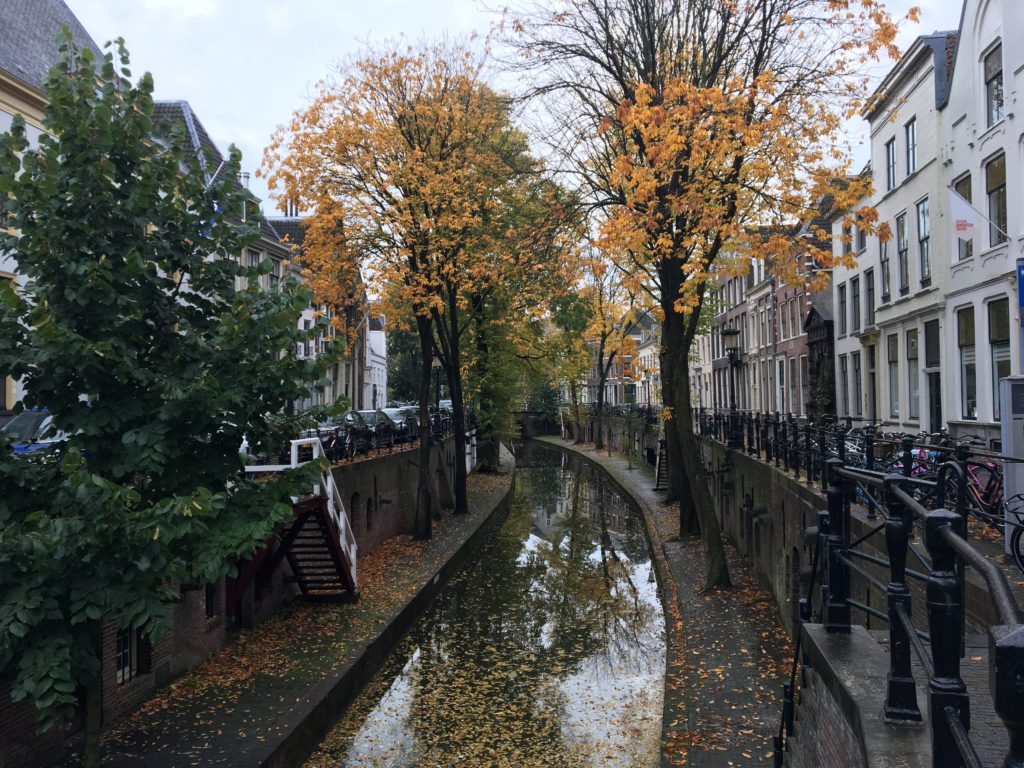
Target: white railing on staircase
<point>335,505</point>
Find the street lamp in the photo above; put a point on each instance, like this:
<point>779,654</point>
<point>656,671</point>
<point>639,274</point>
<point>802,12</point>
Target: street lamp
<point>730,338</point>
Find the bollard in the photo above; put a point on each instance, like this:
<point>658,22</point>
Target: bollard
<point>945,687</point>
<point>750,432</point>
<point>901,695</point>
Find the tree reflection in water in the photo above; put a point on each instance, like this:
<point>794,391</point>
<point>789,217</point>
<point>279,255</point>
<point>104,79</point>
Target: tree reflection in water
<point>546,650</point>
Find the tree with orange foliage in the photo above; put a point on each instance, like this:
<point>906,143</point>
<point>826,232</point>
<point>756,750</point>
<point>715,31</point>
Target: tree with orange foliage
<point>692,124</point>
<point>410,162</point>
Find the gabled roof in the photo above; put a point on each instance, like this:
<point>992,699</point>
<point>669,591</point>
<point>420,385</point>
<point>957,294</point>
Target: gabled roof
<point>290,227</point>
<point>940,48</point>
<point>28,47</point>
<point>169,113</point>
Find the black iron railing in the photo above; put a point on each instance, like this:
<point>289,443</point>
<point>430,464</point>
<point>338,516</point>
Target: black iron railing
<point>904,486</point>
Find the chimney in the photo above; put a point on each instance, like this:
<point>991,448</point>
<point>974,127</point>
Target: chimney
<point>245,179</point>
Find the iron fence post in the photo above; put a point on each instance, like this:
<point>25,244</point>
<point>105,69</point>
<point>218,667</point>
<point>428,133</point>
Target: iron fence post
<point>795,460</point>
<point>907,444</point>
<point>945,687</point>
<point>810,454</point>
<point>869,459</point>
<point>824,566</point>
<point>783,446</point>
<point>837,617</point>
<point>750,433</point>
<point>901,695</point>
<point>1006,668</point>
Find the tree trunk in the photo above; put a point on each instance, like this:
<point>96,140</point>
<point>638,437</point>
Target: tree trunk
<point>94,711</point>
<point>679,481</point>
<point>454,371</point>
<point>422,526</point>
<point>717,573</point>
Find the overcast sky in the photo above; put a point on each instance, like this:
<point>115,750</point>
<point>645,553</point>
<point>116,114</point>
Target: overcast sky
<point>246,65</point>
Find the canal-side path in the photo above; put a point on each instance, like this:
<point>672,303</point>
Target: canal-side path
<point>268,697</point>
<point>727,654</point>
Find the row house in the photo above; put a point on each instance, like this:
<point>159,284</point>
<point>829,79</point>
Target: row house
<point>926,323</point>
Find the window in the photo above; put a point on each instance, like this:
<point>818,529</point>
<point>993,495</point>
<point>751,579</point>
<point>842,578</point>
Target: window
<point>892,349</point>
<point>794,402</point>
<point>793,318</point>
<point>869,295</point>
<point>883,262</point>
<point>782,386</point>
<point>805,382</point>
<point>913,405</point>
<point>902,247</point>
<point>844,387</point>
<point>932,357</point>
<point>275,275</point>
<point>910,131</point>
<point>855,302</point>
<point>994,85</point>
<point>211,601</point>
<point>862,240</point>
<point>857,399</point>
<point>999,346</point>
<point>962,186</point>
<point>126,655</point>
<point>968,365</point>
<point>890,164</point>
<point>995,188</point>
<point>847,239</point>
<point>924,230</point>
<point>842,310</point>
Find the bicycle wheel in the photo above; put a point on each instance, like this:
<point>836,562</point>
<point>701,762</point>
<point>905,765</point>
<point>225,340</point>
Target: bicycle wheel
<point>1017,546</point>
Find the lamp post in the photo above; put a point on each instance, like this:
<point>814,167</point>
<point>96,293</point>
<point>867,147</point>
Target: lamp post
<point>730,337</point>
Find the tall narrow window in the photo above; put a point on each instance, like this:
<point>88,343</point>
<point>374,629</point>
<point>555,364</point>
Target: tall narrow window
<point>125,655</point>
<point>862,240</point>
<point>869,297</point>
<point>999,346</point>
<point>794,318</point>
<point>847,239</point>
<point>855,303</point>
<point>842,310</point>
<point>858,400</point>
<point>844,387</point>
<point>924,235</point>
<point>932,355</point>
<point>995,188</point>
<point>890,164</point>
<point>962,186</point>
<point>886,276</point>
<point>910,131</point>
<point>805,382</point>
<point>994,85</point>
<point>892,348</point>
<point>794,398</point>
<point>968,363</point>
<point>902,247</point>
<point>913,388</point>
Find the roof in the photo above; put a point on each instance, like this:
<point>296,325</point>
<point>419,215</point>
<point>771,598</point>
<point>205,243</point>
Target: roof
<point>290,227</point>
<point>940,47</point>
<point>169,113</point>
<point>28,47</point>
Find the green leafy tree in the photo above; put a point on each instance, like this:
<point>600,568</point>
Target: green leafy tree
<point>130,330</point>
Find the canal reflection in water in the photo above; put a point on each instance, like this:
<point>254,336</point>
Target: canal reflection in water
<point>545,650</point>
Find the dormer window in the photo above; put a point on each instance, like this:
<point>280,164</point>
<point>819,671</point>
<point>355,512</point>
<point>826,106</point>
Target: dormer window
<point>994,85</point>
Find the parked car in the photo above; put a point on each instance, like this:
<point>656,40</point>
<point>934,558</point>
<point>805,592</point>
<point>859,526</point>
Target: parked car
<point>401,420</point>
<point>382,429</point>
<point>31,431</point>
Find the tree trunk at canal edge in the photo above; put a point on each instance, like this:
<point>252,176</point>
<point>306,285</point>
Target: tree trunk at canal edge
<point>422,526</point>
<point>677,336</point>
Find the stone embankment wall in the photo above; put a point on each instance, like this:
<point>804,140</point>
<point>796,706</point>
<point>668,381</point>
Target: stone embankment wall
<point>766,513</point>
<point>380,497</point>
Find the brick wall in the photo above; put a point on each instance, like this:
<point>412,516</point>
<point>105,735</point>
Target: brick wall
<point>824,737</point>
<point>386,484</point>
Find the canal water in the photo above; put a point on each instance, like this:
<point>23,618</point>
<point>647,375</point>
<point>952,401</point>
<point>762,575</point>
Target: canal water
<point>547,649</point>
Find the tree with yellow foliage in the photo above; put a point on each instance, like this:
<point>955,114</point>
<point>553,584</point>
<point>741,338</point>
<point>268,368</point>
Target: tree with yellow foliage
<point>692,124</point>
<point>411,163</point>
